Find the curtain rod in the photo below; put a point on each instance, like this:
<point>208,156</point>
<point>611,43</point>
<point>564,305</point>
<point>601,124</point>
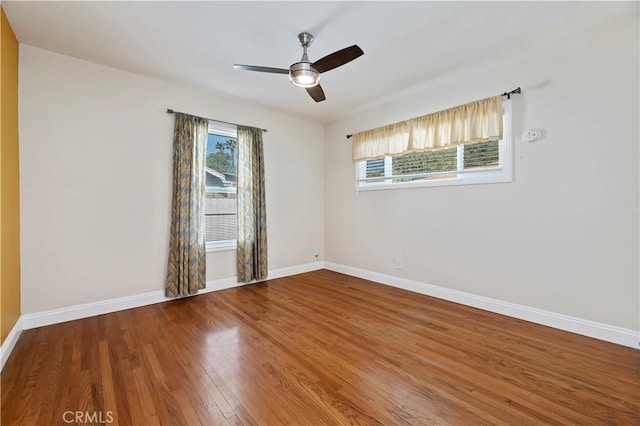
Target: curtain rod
<point>515,91</point>
<point>170,111</point>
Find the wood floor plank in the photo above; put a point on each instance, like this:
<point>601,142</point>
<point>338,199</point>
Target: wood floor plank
<point>107,380</point>
<point>320,348</point>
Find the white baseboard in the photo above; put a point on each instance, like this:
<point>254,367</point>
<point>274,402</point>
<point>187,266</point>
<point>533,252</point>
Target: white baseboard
<point>295,270</point>
<point>85,310</point>
<point>10,342</point>
<point>70,313</point>
<point>609,333</point>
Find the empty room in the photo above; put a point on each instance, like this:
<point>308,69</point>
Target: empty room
<point>320,213</point>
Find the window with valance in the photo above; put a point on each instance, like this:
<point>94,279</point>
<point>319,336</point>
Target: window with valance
<point>462,145</point>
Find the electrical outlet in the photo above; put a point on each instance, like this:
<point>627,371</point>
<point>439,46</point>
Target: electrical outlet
<point>399,263</point>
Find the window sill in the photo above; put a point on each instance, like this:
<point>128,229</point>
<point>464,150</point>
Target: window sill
<point>220,247</point>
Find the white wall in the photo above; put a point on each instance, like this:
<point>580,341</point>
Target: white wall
<point>95,180</point>
<point>563,236</point>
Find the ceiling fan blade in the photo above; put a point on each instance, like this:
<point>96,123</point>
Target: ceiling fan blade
<point>338,58</point>
<point>261,69</point>
<point>316,93</point>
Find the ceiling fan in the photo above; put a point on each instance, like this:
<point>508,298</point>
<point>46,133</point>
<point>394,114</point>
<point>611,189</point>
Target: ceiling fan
<point>306,73</point>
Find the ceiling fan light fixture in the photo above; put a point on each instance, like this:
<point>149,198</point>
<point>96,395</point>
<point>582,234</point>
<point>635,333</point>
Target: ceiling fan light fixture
<point>302,74</point>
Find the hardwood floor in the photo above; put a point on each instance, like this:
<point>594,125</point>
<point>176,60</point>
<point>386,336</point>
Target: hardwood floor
<point>314,349</point>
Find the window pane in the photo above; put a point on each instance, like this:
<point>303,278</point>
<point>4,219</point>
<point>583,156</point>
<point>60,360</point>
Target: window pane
<point>220,209</point>
<point>481,155</point>
<point>222,155</point>
<point>220,216</point>
<point>412,163</point>
<point>375,168</point>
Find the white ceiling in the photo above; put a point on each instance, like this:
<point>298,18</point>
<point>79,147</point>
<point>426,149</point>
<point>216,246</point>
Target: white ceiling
<point>406,44</point>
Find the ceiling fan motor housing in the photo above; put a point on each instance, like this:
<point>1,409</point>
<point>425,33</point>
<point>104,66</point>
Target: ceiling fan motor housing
<point>302,74</point>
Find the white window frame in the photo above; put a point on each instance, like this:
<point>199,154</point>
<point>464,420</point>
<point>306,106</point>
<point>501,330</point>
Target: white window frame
<point>503,173</point>
<point>230,130</point>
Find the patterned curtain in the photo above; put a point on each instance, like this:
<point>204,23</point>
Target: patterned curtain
<point>251,255</point>
<point>187,255</point>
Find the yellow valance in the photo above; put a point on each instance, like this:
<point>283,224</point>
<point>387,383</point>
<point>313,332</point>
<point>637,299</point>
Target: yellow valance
<point>479,121</point>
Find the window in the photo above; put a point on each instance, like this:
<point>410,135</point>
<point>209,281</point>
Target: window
<point>485,162</point>
<point>220,209</point>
